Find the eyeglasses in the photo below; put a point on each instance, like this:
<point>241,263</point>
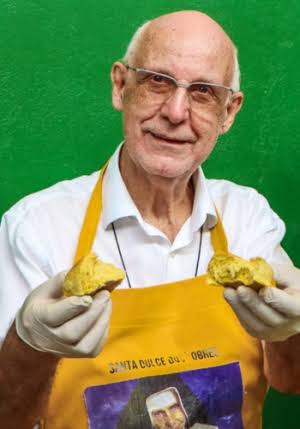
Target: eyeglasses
<point>162,86</point>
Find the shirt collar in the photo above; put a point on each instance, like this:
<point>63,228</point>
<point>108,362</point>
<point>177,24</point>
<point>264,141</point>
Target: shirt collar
<point>118,204</point>
<point>203,208</point>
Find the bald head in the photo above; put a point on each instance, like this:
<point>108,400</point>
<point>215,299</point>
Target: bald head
<point>171,125</point>
<point>189,34</point>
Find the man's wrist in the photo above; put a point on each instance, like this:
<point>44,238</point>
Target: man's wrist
<point>26,347</point>
<point>20,331</point>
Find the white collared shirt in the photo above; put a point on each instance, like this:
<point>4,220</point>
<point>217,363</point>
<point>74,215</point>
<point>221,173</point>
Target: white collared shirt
<point>38,236</point>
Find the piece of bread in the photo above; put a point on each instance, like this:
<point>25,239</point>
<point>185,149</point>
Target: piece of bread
<point>91,274</point>
<point>230,270</point>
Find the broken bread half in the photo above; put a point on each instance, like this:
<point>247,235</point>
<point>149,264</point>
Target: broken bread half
<point>230,270</point>
<point>89,275</point>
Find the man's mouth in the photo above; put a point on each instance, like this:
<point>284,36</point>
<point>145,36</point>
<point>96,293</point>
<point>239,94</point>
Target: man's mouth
<point>168,139</point>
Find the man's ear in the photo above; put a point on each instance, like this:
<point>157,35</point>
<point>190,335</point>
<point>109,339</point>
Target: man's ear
<point>118,75</point>
<point>233,106</point>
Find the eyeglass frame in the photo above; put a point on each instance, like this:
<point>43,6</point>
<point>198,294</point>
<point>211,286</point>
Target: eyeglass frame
<point>178,83</point>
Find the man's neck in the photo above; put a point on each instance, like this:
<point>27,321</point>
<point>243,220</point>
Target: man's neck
<point>163,202</point>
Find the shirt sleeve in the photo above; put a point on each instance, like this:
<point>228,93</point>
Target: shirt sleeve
<point>20,268</point>
<point>265,231</point>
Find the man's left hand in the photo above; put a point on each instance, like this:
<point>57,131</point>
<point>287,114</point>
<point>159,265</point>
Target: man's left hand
<point>273,314</point>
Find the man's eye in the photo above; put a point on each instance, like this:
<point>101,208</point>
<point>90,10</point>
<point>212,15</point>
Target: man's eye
<point>155,78</point>
<point>202,88</point>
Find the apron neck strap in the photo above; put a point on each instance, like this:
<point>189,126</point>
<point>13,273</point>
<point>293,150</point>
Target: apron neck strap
<point>218,237</point>
<point>92,217</point>
<point>91,220</point>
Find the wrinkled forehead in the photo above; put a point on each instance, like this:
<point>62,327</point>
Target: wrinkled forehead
<point>187,55</point>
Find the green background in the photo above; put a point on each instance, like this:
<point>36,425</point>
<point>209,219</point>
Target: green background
<point>56,120</point>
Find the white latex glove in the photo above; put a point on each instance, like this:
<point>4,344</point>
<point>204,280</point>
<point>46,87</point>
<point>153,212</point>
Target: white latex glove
<point>273,314</point>
<point>69,327</point>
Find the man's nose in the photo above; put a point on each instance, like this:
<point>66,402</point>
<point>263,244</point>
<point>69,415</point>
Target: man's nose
<point>177,107</point>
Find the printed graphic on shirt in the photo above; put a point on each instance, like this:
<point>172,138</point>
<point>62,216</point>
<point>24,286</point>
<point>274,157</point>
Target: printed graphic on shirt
<point>209,398</point>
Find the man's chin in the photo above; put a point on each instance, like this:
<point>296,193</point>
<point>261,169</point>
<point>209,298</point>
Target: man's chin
<point>154,161</point>
<point>169,170</point>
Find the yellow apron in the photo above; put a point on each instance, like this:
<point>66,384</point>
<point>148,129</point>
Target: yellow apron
<point>176,357</point>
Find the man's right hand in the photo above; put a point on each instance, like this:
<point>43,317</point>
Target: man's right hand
<point>69,327</point>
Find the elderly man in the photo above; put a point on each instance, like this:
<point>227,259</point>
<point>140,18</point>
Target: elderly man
<point>159,218</point>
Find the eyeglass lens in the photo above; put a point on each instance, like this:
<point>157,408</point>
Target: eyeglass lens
<point>164,86</point>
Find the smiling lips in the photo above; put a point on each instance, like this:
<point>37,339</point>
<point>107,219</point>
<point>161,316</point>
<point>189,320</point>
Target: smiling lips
<point>170,139</point>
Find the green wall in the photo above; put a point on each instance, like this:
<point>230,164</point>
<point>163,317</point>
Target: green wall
<point>56,120</point>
